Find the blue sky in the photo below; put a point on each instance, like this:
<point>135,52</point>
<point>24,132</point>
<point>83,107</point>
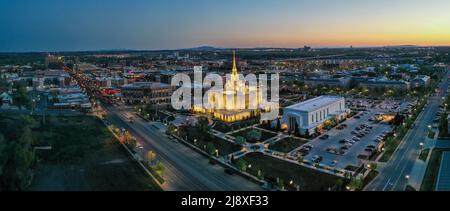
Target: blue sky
<point>52,25</point>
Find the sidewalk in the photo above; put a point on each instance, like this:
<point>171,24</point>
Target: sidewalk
<point>420,167</point>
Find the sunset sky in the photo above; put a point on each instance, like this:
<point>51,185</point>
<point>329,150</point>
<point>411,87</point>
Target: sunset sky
<point>60,25</point>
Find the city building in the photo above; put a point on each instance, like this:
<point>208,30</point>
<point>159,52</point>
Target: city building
<point>6,98</point>
<point>332,82</point>
<point>443,177</point>
<point>383,83</point>
<point>68,98</point>
<point>311,114</point>
<point>147,93</point>
<point>420,81</point>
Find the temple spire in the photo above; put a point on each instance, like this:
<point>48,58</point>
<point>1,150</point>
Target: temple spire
<point>234,70</point>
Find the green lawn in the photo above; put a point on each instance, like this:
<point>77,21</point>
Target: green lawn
<point>391,146</point>
<point>370,177</point>
<point>228,127</point>
<point>223,146</point>
<point>202,141</point>
<point>429,180</point>
<point>85,156</point>
<point>308,179</point>
<point>264,134</point>
<point>424,154</point>
<point>431,134</point>
<point>287,144</point>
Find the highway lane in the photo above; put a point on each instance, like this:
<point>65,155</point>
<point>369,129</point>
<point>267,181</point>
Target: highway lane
<point>393,176</point>
<point>186,169</point>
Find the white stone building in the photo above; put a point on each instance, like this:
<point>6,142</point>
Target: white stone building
<point>313,113</point>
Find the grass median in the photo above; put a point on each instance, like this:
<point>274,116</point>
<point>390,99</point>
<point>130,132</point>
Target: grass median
<point>429,180</point>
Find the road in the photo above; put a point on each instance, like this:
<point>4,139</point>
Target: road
<point>393,176</point>
<point>185,169</point>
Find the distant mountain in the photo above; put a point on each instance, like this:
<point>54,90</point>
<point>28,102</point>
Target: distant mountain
<point>203,48</point>
<point>402,46</point>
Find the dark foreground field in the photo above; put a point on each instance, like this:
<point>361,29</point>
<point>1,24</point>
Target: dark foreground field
<point>85,157</point>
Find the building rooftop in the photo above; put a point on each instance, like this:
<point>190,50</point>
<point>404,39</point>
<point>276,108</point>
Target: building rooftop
<point>422,77</point>
<point>443,180</point>
<point>313,104</point>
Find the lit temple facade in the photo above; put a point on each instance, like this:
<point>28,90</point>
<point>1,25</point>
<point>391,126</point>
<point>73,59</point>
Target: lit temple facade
<point>237,101</point>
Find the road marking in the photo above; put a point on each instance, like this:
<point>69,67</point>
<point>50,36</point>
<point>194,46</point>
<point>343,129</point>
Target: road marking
<point>388,183</point>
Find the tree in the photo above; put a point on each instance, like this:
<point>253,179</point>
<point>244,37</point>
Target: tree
<point>159,168</point>
<point>151,156</point>
<point>260,174</point>
<point>281,184</point>
<point>242,165</point>
<point>353,83</point>
<point>296,129</point>
<point>240,140</point>
<point>307,135</point>
<point>203,125</point>
<point>17,159</point>
<point>210,148</point>
<point>398,119</point>
<point>21,97</point>
<point>372,166</point>
<point>339,184</point>
<point>171,129</point>
<point>355,184</point>
<point>443,125</point>
<point>278,127</point>
<point>2,153</point>
<point>4,82</point>
<point>254,135</point>
<point>170,118</point>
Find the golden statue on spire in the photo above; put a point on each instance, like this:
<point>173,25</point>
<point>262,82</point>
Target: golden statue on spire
<point>234,73</point>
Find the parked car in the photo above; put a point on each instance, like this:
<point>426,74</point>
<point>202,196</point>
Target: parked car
<point>333,163</point>
<point>316,159</point>
<point>332,150</point>
<point>324,137</point>
<point>371,147</point>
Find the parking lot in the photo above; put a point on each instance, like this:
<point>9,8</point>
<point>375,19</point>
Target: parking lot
<point>383,106</point>
<point>358,136</point>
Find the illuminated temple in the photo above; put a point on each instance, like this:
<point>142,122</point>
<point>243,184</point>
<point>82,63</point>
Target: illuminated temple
<point>227,106</point>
